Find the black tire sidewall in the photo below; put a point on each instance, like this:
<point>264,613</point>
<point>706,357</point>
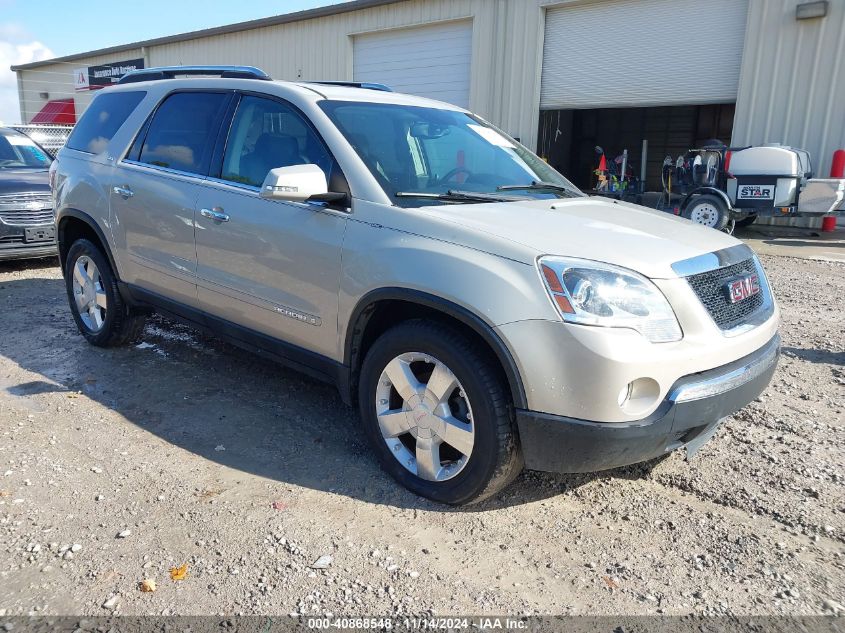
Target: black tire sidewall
<point>724,214</point>
<point>483,461</point>
<point>114,304</point>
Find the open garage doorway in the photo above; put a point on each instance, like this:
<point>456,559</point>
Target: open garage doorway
<point>567,138</point>
<point>617,72</point>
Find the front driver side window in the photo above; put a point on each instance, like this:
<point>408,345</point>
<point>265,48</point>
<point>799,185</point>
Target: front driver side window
<point>266,134</point>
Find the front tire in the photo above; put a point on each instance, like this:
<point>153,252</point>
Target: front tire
<point>438,414</point>
<point>100,313</point>
<point>708,210</point>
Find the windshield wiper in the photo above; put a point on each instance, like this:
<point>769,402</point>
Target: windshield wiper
<point>458,196</point>
<point>538,185</point>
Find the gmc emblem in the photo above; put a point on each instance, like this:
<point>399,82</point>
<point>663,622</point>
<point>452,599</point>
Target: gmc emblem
<point>743,287</point>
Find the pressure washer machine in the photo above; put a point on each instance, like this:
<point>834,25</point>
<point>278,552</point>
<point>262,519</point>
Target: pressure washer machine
<point>721,187</point>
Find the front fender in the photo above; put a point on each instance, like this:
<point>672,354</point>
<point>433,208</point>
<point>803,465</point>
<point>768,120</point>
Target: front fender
<point>711,190</point>
<point>496,289</point>
<point>359,318</point>
<point>475,287</point>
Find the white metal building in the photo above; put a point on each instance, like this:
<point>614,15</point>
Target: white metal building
<point>561,75</point>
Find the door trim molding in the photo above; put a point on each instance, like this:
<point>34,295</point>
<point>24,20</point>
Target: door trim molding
<point>310,363</point>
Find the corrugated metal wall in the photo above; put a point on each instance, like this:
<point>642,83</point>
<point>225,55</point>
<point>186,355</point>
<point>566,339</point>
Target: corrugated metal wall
<point>792,82</point>
<point>504,86</point>
<point>311,49</point>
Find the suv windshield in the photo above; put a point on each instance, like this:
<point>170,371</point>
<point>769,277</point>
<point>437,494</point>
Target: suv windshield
<point>431,156</point>
<point>18,151</point>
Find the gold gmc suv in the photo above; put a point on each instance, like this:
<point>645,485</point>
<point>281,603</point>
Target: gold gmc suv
<point>481,312</point>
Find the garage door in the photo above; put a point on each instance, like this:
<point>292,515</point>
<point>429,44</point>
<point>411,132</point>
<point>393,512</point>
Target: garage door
<point>642,52</point>
<point>430,61</point>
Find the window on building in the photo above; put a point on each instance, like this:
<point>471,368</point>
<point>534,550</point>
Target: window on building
<point>102,120</point>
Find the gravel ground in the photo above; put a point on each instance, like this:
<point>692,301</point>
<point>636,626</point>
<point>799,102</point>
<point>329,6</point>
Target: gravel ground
<point>118,465</point>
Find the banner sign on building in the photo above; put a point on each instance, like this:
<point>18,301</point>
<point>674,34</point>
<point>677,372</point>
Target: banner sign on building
<point>96,77</point>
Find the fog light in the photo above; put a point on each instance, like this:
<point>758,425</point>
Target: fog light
<point>625,394</point>
<point>639,396</point>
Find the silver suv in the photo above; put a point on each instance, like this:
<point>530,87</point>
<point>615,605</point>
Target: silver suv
<point>481,312</point>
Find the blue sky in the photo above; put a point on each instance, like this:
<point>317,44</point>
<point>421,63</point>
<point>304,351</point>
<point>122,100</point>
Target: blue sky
<point>31,31</point>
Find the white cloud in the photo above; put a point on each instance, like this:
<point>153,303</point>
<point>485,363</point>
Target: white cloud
<point>16,47</point>
<point>13,31</point>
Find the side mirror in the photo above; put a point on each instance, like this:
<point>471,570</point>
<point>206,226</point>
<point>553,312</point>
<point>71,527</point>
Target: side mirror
<point>298,183</point>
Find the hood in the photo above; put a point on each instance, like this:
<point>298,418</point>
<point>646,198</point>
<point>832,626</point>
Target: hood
<point>628,235</point>
<point>20,180</point>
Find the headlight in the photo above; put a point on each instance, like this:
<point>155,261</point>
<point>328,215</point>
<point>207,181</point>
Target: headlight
<point>593,293</point>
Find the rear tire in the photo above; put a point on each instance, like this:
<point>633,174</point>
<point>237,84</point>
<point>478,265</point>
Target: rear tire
<point>101,314</point>
<point>437,413</point>
<point>708,210</point>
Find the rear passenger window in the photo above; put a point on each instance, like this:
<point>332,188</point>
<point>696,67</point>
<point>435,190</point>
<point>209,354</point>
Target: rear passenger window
<point>182,132</point>
<point>102,119</point>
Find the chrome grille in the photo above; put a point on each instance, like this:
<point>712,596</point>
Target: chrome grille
<point>26,208</point>
<point>710,288</point>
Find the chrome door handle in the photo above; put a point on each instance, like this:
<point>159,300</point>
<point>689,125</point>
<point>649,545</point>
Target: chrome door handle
<point>215,214</point>
<point>124,192</point>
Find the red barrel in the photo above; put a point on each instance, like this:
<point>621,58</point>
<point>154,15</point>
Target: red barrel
<point>837,168</point>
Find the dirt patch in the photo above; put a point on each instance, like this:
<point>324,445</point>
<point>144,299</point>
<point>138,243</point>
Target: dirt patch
<point>117,466</point>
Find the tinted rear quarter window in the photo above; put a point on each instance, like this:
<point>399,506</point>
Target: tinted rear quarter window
<point>182,131</point>
<point>102,119</point>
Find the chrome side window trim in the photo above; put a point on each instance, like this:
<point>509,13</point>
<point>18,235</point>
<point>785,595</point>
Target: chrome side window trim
<point>163,170</point>
<point>221,184</point>
<point>712,261</point>
<point>241,187</point>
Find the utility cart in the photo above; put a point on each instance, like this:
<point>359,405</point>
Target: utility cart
<point>721,187</point>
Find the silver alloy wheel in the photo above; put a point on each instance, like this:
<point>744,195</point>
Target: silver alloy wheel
<point>705,214</point>
<point>425,416</point>
<point>89,294</point>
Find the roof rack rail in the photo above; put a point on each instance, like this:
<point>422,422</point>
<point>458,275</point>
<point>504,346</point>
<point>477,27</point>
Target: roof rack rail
<point>366,85</point>
<point>170,72</point>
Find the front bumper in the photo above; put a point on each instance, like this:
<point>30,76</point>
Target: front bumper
<point>14,244</point>
<point>687,417</point>
<point>28,252</point>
